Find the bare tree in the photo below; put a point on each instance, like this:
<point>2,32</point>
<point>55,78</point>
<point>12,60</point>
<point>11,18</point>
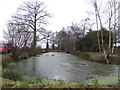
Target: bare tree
<point>18,35</point>
<point>75,31</point>
<point>101,27</point>
<point>68,37</point>
<point>115,8</point>
<point>53,39</point>
<point>34,15</point>
<point>98,36</point>
<point>110,21</point>
<point>112,24</point>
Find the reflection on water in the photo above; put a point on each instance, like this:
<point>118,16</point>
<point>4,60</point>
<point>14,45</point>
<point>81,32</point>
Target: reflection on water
<point>62,66</point>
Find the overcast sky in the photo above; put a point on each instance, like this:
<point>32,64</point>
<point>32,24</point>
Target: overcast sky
<point>64,12</point>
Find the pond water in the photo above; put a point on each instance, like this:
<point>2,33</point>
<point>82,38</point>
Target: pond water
<point>63,66</point>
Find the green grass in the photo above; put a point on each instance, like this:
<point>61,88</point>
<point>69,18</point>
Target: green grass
<point>81,84</point>
<point>32,79</point>
<point>95,56</point>
<point>62,84</point>
<point>94,53</point>
<point>24,84</point>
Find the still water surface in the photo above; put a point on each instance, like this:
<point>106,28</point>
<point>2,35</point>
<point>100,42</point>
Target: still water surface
<point>62,66</point>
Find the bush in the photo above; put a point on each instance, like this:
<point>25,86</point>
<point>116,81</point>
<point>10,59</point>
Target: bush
<point>95,83</point>
<point>24,53</point>
<point>15,54</point>
<point>12,65</point>
<point>31,79</point>
<point>4,63</point>
<point>85,55</point>
<point>12,74</point>
<point>6,59</point>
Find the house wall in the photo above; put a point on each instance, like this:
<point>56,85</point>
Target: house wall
<point>118,34</point>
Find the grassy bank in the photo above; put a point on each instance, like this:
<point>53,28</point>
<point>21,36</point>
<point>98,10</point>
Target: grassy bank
<point>45,83</point>
<point>95,57</point>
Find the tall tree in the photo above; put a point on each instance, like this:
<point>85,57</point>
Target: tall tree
<point>101,26</point>
<point>115,9</point>
<point>76,31</point>
<point>34,15</point>
<point>97,30</point>
<point>53,40</point>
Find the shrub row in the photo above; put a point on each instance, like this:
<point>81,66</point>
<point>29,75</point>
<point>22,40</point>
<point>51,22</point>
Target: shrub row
<point>24,53</point>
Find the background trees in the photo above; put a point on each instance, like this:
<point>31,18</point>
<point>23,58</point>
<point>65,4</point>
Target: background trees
<point>90,41</point>
<point>68,37</point>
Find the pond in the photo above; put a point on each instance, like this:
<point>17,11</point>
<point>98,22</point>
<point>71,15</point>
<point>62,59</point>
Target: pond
<point>63,66</point>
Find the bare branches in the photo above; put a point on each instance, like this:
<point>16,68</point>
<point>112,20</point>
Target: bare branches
<point>33,15</point>
<point>18,35</point>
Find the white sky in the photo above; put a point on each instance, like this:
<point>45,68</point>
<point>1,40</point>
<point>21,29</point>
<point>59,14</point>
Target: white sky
<point>64,12</point>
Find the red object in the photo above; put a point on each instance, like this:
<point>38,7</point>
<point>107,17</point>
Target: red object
<point>5,47</point>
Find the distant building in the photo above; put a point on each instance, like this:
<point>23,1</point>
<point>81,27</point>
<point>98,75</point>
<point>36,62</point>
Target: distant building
<point>118,33</point>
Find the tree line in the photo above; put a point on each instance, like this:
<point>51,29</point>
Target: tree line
<point>103,39</point>
<point>27,27</point>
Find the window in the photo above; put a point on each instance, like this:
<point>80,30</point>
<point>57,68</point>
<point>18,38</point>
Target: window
<point>2,46</point>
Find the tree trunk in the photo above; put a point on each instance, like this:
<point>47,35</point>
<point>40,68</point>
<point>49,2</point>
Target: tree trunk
<point>34,39</point>
<point>53,46</point>
<point>109,46</point>
<point>74,46</point>
<point>98,32</point>
<point>113,47</point>
<point>110,37</point>
<point>114,36</point>
<point>47,45</point>
<point>104,51</point>
<point>102,40</point>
